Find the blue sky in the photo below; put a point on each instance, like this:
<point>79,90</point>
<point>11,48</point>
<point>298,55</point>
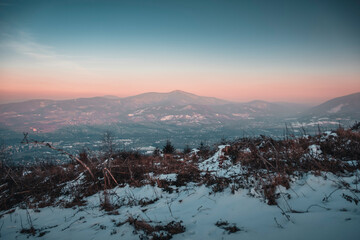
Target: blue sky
<point>179,44</point>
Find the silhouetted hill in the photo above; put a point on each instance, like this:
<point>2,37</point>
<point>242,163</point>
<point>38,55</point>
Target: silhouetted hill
<point>177,107</point>
<point>345,106</point>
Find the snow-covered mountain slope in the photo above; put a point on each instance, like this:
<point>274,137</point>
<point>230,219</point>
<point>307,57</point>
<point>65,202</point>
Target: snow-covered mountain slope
<point>203,214</point>
<point>177,98</point>
<point>345,106</point>
<point>176,107</point>
<point>251,189</point>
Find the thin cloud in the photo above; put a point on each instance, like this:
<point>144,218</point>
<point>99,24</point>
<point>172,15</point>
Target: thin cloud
<point>24,44</point>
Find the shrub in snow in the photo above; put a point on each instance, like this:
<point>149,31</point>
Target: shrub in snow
<point>168,148</point>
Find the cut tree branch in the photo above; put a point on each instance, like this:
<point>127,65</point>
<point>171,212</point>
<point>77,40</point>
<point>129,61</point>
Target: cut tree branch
<point>35,142</point>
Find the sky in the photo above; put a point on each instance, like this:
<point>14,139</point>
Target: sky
<point>295,51</point>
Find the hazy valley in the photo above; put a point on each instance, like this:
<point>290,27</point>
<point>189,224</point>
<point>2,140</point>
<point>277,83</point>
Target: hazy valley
<point>146,121</point>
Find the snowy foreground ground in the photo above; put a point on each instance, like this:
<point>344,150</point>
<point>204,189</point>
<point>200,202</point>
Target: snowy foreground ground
<point>313,208</point>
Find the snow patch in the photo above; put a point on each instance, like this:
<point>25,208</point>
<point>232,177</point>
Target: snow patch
<point>315,151</point>
<point>336,109</point>
<point>168,177</point>
<point>167,118</point>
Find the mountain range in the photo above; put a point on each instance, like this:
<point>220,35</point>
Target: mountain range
<point>176,107</point>
<point>345,106</point>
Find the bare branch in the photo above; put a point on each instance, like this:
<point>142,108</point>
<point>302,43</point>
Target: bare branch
<point>26,141</point>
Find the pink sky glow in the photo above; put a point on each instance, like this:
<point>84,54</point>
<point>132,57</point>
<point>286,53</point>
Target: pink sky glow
<point>305,88</point>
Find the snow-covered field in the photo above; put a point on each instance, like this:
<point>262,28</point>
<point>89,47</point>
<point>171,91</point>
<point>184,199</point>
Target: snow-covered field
<point>322,214</point>
<point>317,205</point>
<point>313,208</point>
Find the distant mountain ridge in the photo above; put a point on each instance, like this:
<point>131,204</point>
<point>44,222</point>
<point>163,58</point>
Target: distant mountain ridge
<point>176,107</point>
<point>176,97</point>
<point>338,107</point>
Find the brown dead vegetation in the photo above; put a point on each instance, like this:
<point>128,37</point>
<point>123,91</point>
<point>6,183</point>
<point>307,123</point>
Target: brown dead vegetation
<point>267,164</point>
<point>157,232</point>
<point>272,163</point>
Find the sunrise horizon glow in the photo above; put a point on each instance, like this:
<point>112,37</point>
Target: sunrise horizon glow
<point>304,52</point>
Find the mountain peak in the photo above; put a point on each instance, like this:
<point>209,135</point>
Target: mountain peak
<point>343,106</point>
<point>176,97</point>
<point>181,92</point>
<point>110,97</point>
<point>178,91</point>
